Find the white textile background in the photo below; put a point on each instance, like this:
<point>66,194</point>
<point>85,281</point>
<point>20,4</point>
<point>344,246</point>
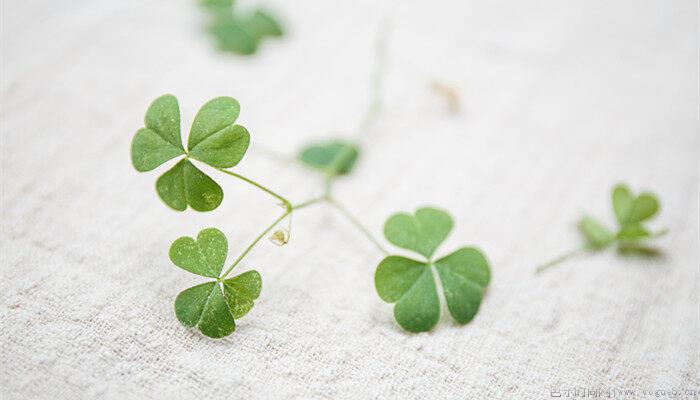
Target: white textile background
<point>561,100</point>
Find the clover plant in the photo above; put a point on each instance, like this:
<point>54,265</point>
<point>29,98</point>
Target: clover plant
<point>631,236</point>
<point>217,141</point>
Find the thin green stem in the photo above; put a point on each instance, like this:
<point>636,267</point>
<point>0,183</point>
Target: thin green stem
<point>286,202</point>
<point>309,202</point>
<point>357,224</point>
<point>328,186</point>
<point>257,239</point>
<point>560,259</point>
<point>377,81</point>
<point>373,109</point>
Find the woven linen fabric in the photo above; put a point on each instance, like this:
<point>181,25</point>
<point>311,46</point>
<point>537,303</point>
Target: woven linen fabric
<point>559,102</point>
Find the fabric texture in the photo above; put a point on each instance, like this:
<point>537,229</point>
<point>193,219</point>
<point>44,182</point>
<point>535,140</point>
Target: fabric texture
<point>559,101</point>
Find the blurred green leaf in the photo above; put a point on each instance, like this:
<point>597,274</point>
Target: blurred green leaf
<point>261,25</point>
<point>337,155</point>
<point>232,37</point>
<point>597,236</point>
<point>217,3</point>
<point>631,209</point>
<point>238,32</point>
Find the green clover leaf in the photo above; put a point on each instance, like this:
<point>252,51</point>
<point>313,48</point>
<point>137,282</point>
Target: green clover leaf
<point>212,306</point>
<point>204,306</point>
<point>214,140</point>
<point>204,256</point>
<point>217,3</point>
<point>630,209</point>
<point>464,274</point>
<point>185,184</point>
<point>241,290</point>
<point>160,140</point>
<point>232,37</point>
<point>262,24</point>
<point>409,284</point>
<point>597,236</point>
<point>422,233</point>
<point>334,158</point>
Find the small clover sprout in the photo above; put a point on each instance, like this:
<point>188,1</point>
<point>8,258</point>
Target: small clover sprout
<point>631,212</point>
<point>333,158</point>
<point>213,306</point>
<point>214,140</point>
<point>410,284</point>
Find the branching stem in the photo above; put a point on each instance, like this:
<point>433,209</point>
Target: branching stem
<point>331,173</point>
<point>257,239</point>
<point>267,230</point>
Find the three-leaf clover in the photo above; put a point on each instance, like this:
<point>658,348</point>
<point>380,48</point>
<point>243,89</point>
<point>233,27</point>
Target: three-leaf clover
<point>631,211</point>
<point>214,140</point>
<point>213,306</point>
<point>335,158</point>
<point>409,283</point>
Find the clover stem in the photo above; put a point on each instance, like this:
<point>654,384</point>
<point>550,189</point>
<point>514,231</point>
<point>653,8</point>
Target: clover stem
<point>286,202</point>
<point>328,186</point>
<point>377,81</point>
<point>357,223</point>
<point>308,203</point>
<point>560,259</point>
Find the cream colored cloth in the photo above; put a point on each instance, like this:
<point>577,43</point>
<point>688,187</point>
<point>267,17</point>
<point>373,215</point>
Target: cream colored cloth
<point>560,100</point>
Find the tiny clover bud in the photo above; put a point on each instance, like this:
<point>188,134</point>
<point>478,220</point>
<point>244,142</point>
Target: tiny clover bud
<point>631,211</point>
<point>212,306</point>
<point>410,284</point>
<point>334,158</point>
<point>280,237</point>
<point>214,140</point>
